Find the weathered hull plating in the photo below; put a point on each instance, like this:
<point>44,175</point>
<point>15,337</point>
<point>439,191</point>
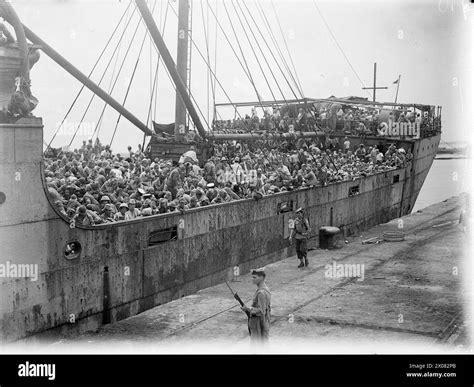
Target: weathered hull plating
<point>68,296</point>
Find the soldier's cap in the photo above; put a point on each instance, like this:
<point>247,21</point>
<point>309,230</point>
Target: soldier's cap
<point>300,209</point>
<point>260,272</point>
<point>124,205</point>
<point>104,198</point>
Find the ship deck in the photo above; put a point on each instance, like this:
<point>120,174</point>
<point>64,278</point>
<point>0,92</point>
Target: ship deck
<point>409,300</point>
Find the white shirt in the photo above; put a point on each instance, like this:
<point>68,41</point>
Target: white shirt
<point>132,215</point>
<point>190,154</point>
<point>117,173</point>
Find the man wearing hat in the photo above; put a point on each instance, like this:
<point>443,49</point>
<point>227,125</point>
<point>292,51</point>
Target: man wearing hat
<point>259,312</point>
<point>122,211</point>
<point>82,217</point>
<point>300,232</point>
<point>132,212</point>
<point>108,215</point>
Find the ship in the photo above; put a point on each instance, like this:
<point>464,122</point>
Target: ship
<point>93,275</point>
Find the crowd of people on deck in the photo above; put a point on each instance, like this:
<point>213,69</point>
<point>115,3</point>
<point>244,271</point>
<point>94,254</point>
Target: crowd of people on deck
<point>360,120</point>
<point>92,185</point>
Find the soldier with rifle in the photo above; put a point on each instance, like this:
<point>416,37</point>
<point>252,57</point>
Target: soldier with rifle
<point>259,313</point>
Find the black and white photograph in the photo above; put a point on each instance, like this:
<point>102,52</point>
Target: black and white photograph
<point>207,177</point>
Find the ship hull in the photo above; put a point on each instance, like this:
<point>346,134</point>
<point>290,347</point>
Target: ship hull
<point>119,273</point>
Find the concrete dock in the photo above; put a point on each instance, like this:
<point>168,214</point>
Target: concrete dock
<point>410,296</point>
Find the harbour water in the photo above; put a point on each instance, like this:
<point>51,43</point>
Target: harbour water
<point>446,178</point>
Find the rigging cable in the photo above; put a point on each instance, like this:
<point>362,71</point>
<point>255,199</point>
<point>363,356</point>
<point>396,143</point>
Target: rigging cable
<point>287,48</point>
<point>155,82</point>
<point>119,71</point>
<point>340,48</point>
<point>131,79</point>
<point>149,119</point>
<point>208,65</point>
<point>150,51</point>
<point>261,51</point>
<point>100,121</point>
<point>190,55</point>
<point>90,74</point>
<point>278,49</point>
<point>174,86</point>
<point>243,57</point>
<point>103,75</point>
<point>215,66</point>
<point>253,51</point>
<point>235,54</point>
<point>208,77</point>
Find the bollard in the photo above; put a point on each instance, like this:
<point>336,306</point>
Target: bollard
<point>329,237</point>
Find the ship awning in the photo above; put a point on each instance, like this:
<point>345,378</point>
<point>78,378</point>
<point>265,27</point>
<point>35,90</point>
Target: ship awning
<point>163,128</point>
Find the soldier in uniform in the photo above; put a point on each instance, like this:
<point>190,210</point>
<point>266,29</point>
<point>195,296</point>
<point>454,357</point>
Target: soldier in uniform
<point>300,232</point>
<point>259,312</point>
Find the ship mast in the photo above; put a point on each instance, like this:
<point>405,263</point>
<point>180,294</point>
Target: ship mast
<point>182,67</point>
<point>181,87</point>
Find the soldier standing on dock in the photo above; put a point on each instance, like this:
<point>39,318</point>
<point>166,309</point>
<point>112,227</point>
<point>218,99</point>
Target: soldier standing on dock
<point>259,313</point>
<point>300,232</point>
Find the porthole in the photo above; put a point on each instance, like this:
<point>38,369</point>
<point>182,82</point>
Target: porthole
<point>72,250</point>
<point>162,236</point>
<point>353,191</point>
<point>2,198</point>
<point>285,207</point>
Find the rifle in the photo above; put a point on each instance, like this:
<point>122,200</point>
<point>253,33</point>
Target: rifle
<point>237,297</point>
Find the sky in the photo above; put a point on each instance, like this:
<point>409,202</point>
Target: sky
<point>333,46</point>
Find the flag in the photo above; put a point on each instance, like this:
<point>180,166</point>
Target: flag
<point>396,81</point>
